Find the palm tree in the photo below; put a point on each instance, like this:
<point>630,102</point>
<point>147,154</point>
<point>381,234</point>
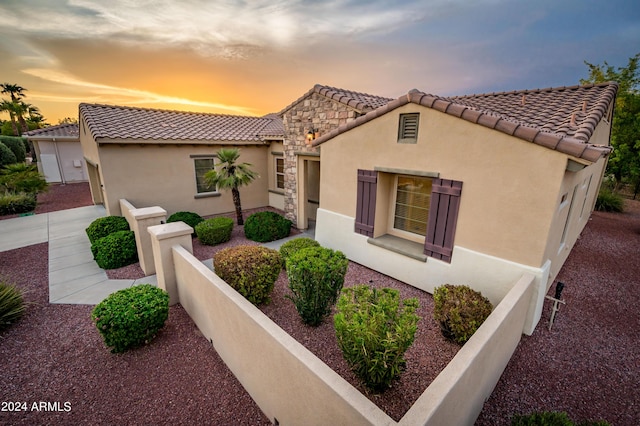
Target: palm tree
<point>15,107</point>
<point>230,175</point>
<point>10,108</point>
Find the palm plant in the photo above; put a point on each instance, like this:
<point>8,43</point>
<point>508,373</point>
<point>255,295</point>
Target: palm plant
<point>228,174</point>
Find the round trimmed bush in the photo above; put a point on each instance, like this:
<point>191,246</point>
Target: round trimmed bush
<point>16,145</point>
<point>115,250</point>
<point>12,305</point>
<point>131,317</point>
<point>250,270</point>
<point>295,245</point>
<point>6,155</point>
<point>266,226</point>
<point>460,310</point>
<point>316,276</point>
<point>214,231</point>
<point>190,218</point>
<point>15,203</point>
<point>104,226</point>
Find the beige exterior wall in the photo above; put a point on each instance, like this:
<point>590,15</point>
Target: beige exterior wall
<point>508,184</point>
<point>164,175</point>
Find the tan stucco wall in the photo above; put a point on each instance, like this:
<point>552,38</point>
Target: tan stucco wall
<point>510,186</point>
<point>163,175</point>
<point>276,195</point>
<point>69,157</point>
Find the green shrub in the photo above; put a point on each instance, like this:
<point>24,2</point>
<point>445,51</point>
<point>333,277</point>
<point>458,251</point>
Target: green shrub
<point>21,177</point>
<point>460,311</point>
<point>11,203</point>
<point>251,270</point>
<point>545,418</point>
<point>115,250</point>
<point>266,226</point>
<point>12,305</point>
<point>6,155</point>
<point>316,276</point>
<point>292,246</point>
<point>131,317</point>
<point>609,201</point>
<point>104,226</point>
<point>214,231</point>
<point>374,331</point>
<point>16,145</point>
<point>190,218</point>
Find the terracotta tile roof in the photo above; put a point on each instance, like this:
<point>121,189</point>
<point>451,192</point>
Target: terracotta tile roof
<point>275,129</point>
<point>62,131</point>
<point>362,102</point>
<point>562,118</point>
<point>143,124</point>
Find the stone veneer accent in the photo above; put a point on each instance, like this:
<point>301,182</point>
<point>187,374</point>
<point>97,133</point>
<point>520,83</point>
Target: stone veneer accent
<point>319,112</point>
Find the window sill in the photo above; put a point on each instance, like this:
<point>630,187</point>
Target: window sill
<point>400,245</point>
<point>207,195</point>
<point>277,191</point>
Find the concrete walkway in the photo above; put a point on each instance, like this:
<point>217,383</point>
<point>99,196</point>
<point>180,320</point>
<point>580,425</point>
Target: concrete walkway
<point>74,277</point>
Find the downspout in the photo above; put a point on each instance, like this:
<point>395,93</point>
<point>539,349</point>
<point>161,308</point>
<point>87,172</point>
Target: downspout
<point>55,147</point>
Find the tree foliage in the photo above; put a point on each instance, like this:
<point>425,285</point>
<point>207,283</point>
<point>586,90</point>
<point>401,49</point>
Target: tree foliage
<point>229,174</point>
<point>22,116</point>
<point>624,162</point>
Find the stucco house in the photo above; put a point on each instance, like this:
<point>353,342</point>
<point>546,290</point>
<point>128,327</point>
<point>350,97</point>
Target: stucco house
<point>470,190</point>
<point>59,154</point>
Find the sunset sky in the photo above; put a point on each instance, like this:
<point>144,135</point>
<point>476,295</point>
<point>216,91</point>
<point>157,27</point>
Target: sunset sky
<point>255,57</point>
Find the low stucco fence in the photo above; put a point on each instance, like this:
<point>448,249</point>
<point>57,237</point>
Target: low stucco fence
<point>291,385</point>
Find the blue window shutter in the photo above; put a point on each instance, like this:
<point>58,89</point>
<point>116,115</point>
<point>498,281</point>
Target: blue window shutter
<point>443,219</point>
<point>366,202</point>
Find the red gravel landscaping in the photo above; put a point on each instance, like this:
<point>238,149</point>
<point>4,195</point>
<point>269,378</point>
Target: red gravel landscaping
<point>587,365</point>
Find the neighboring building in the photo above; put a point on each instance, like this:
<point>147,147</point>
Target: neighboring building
<point>58,153</point>
<point>470,190</point>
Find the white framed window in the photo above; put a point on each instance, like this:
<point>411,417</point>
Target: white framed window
<point>201,166</point>
<point>279,174</point>
<point>412,199</point>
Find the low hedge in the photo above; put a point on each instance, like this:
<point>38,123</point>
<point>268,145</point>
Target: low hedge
<point>6,155</point>
<point>214,231</point>
<point>131,317</point>
<point>16,145</point>
<point>190,218</point>
<point>115,250</point>
<point>16,203</point>
<point>104,226</point>
<point>251,270</point>
<point>609,201</point>
<point>266,226</point>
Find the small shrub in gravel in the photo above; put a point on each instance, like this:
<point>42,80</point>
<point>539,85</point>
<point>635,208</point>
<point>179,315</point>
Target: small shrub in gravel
<point>12,305</point>
<point>16,203</point>
<point>115,250</point>
<point>551,418</point>
<point>214,231</point>
<point>251,270</point>
<point>131,317</point>
<point>292,246</point>
<point>609,201</point>
<point>374,331</point>
<point>316,276</point>
<point>266,226</point>
<point>460,311</point>
<point>190,218</point>
<point>104,226</point>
